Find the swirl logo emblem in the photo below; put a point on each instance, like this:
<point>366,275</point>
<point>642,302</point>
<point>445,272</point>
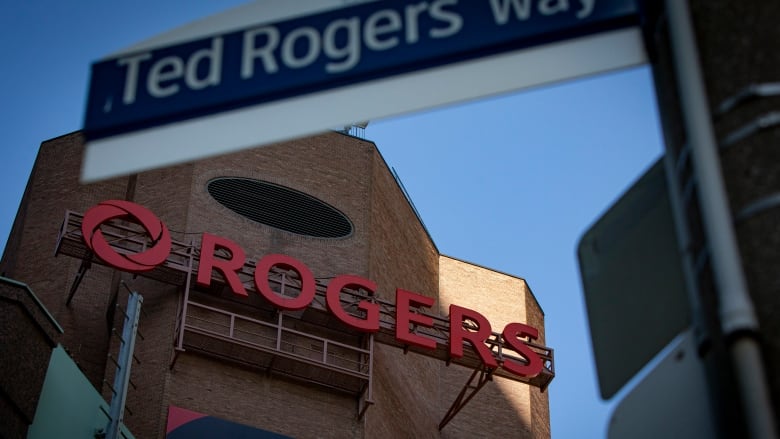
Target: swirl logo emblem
<point>126,210</point>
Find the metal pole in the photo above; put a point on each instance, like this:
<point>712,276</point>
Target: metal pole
<point>736,313</point>
<point>125,360</point>
<point>188,282</point>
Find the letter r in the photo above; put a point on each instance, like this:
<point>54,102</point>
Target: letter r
<point>459,334</point>
<point>228,267</point>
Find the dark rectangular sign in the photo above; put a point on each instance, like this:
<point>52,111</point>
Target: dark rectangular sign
<point>633,281</point>
<point>274,61</point>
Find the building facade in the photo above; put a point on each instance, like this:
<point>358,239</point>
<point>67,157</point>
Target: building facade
<point>329,202</point>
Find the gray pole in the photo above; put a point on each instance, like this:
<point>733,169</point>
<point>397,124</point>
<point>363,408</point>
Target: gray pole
<point>736,311</point>
<point>125,360</point>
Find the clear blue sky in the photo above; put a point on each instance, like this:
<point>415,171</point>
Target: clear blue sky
<point>510,182</point>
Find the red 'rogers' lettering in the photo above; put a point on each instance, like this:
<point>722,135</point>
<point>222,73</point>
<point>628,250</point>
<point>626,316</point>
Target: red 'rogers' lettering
<point>228,267</point>
<point>458,333</point>
<point>465,325</point>
<point>512,334</point>
<point>404,316</point>
<point>308,286</point>
<point>371,322</point>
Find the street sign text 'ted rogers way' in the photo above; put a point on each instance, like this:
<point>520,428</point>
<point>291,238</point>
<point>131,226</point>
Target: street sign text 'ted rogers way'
<point>274,61</point>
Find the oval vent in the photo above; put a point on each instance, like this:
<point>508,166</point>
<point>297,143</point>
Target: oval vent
<point>280,207</point>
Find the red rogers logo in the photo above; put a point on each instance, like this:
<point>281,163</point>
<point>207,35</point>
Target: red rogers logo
<point>407,320</point>
<point>134,263</point>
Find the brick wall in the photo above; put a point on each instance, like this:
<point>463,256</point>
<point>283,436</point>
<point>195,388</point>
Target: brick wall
<point>53,188</point>
<point>502,408</point>
<point>401,256</point>
<point>27,336</point>
<point>335,169</point>
<point>388,245</point>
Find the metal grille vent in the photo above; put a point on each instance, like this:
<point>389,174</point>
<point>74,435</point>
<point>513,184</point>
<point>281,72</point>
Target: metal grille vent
<point>280,207</point>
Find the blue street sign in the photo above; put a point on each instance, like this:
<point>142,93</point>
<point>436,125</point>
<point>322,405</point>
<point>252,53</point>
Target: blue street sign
<point>274,61</point>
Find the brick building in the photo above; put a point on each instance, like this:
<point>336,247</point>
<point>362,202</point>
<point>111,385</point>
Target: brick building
<point>330,202</point>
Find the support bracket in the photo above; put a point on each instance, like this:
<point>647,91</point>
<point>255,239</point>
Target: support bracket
<point>86,264</point>
<point>476,382</point>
